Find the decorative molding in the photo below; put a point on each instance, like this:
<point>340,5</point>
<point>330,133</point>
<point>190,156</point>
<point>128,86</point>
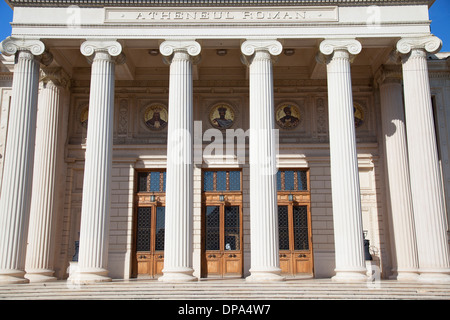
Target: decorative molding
<point>168,47</point>
<point>12,45</point>
<point>431,44</point>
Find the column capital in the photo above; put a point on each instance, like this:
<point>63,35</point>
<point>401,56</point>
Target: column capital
<point>249,47</point>
<point>89,47</point>
<point>55,75</point>
<point>168,47</point>
<point>12,45</point>
<point>431,44</point>
<point>389,74</point>
<point>329,46</point>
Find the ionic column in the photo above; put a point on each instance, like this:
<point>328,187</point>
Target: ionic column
<point>396,155</point>
<point>94,228</point>
<point>39,261</point>
<point>179,174</point>
<point>348,232</point>
<point>265,261</point>
<point>18,166</point>
<point>426,183</point>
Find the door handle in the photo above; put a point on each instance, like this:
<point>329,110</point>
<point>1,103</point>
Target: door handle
<point>231,256</point>
<point>212,256</point>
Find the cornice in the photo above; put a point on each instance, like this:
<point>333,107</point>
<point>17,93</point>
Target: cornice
<point>207,3</point>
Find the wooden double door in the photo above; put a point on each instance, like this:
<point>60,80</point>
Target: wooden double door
<point>149,224</point>
<point>294,232</point>
<point>222,240</point>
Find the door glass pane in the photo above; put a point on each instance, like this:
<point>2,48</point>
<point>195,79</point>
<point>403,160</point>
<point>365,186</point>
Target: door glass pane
<point>232,229</point>
<point>289,180</point>
<point>235,180</point>
<point>212,228</point>
<point>283,228</point>
<point>302,180</point>
<point>154,181</point>
<point>142,181</point>
<point>301,228</point>
<point>221,181</point>
<point>143,229</point>
<point>160,228</point>
<point>278,180</point>
<point>208,181</point>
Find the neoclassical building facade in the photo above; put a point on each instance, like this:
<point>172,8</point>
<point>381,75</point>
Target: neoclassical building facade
<point>266,140</point>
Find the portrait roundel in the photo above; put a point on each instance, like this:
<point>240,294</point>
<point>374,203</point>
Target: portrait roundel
<point>156,117</point>
<point>359,115</point>
<point>288,116</point>
<point>221,116</point>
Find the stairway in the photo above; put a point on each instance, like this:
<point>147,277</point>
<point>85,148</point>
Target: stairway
<point>230,289</point>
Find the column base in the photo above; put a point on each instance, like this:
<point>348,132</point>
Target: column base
<point>271,275</point>
<point>441,276</point>
<point>88,276</point>
<point>40,275</point>
<point>407,276</point>
<point>178,275</point>
<point>12,277</point>
<point>357,275</point>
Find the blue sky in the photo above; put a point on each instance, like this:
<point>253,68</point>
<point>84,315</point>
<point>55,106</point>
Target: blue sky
<point>439,14</point>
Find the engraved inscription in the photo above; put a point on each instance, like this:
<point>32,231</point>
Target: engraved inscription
<point>244,15</point>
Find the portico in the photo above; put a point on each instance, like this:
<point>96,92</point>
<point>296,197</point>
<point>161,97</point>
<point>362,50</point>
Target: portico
<point>331,65</point>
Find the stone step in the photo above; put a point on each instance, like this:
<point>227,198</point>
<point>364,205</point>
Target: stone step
<point>229,290</point>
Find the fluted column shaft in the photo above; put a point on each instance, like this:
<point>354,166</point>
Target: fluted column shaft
<point>348,233</point>
<point>18,166</point>
<point>94,228</point>
<point>426,183</point>
<point>178,245</point>
<point>265,261</point>
<point>396,153</point>
<point>39,262</point>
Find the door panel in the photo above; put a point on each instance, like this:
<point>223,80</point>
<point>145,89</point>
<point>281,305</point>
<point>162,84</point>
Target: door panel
<point>150,241</point>
<point>223,254</point>
<point>294,239</point>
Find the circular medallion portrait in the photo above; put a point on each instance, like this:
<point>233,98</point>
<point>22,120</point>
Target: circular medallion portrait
<point>359,115</point>
<point>84,117</point>
<point>156,117</point>
<point>288,116</point>
<point>221,116</point>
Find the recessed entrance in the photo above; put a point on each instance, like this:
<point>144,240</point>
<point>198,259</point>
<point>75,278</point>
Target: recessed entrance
<point>222,224</point>
<point>149,228</point>
<point>294,222</point>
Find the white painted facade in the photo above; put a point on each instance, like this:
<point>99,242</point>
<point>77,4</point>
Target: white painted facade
<point>315,56</point>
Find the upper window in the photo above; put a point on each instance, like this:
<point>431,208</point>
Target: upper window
<point>292,180</point>
<point>152,181</point>
<point>221,180</point>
